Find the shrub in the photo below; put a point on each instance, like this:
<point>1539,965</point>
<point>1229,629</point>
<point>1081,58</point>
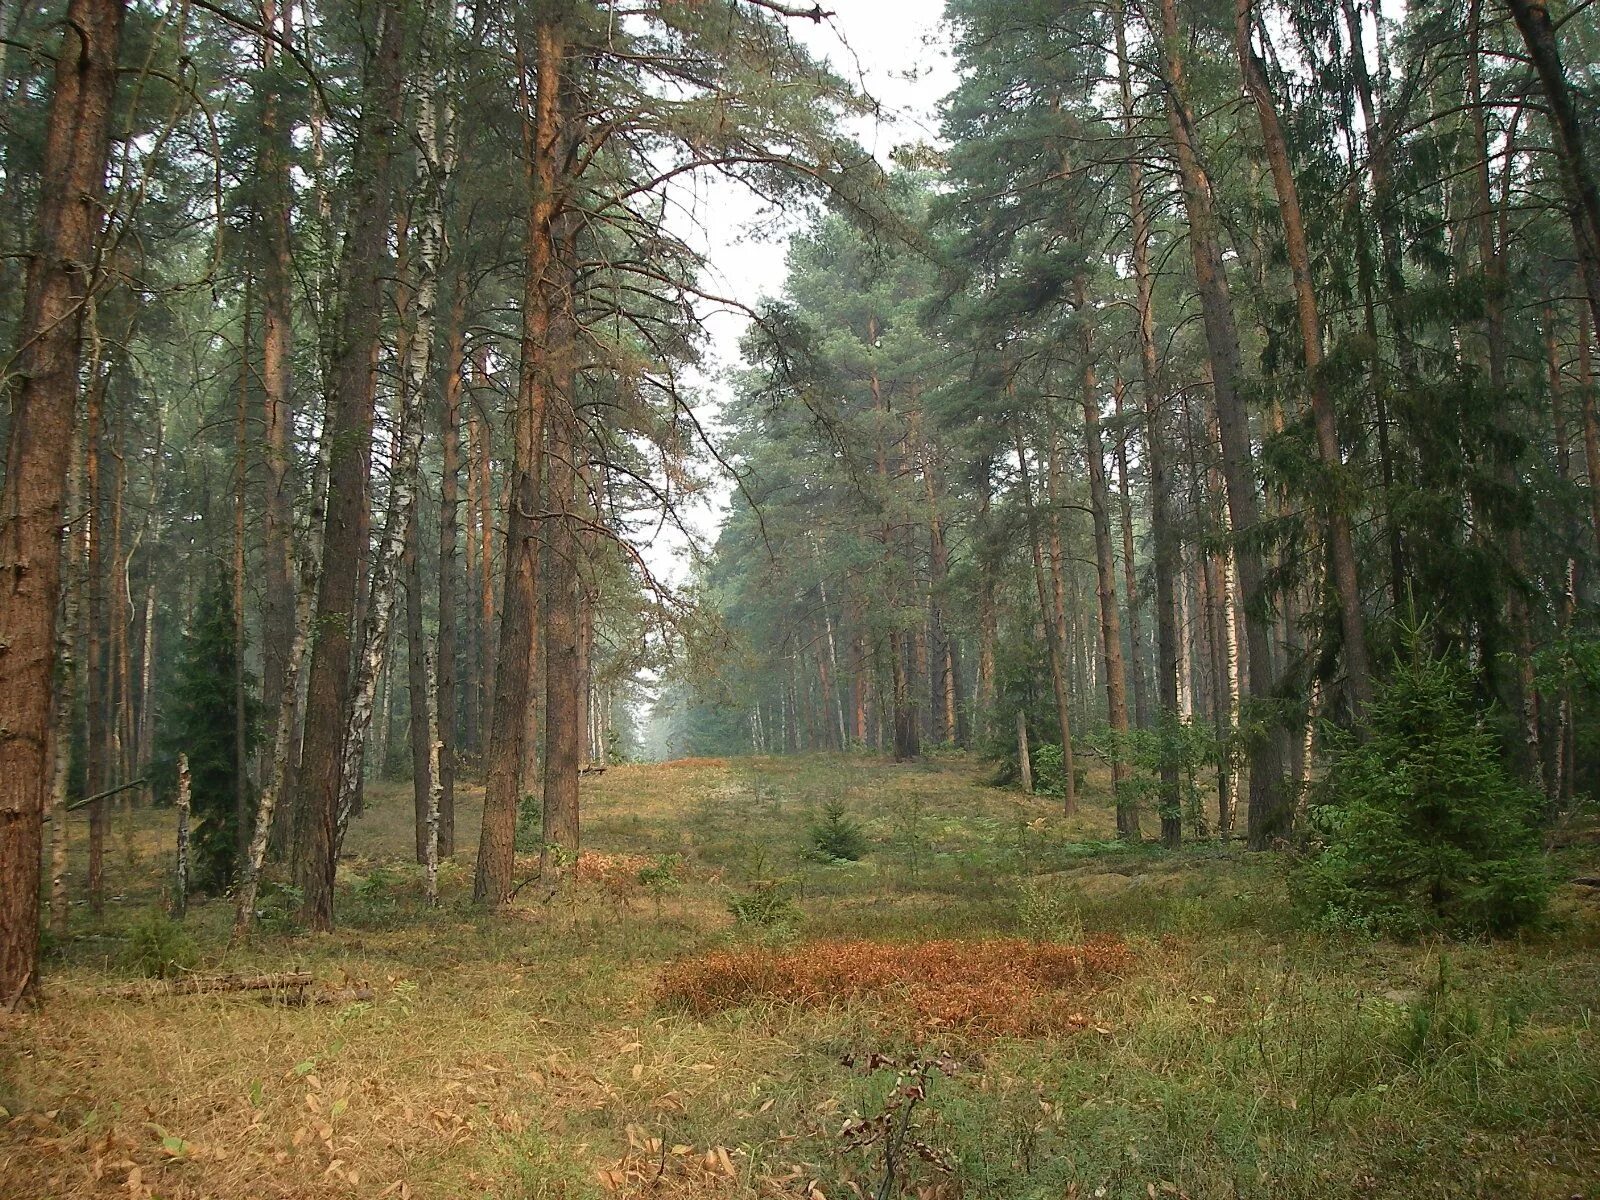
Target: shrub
<point>837,838</point>
<point>766,904</point>
<point>1420,828</point>
<point>158,947</point>
<point>1049,774</point>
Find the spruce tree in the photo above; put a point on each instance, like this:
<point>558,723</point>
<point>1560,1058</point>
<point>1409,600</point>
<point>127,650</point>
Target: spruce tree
<point>1422,827</point>
<point>199,722</point>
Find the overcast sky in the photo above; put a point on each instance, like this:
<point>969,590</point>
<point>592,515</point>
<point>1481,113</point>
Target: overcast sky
<point>892,49</point>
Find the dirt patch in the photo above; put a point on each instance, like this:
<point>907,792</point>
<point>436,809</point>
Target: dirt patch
<point>998,986</point>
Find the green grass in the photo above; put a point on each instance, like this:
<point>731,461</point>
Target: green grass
<point>523,1055</point>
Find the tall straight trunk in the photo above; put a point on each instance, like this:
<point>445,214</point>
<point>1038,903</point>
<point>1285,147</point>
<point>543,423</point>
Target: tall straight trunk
<point>449,568</point>
<point>1559,764</point>
<point>152,539</point>
<point>1520,685</point>
<point>1105,577</point>
<point>430,861</point>
<point>860,689</point>
<point>1577,170</point>
<point>363,268</point>
<point>906,744</point>
<point>416,350</point>
<point>832,661</point>
<point>1271,811</point>
<point>119,730</point>
<point>273,154</point>
<point>545,140</point>
<point>417,686</point>
<point>1341,539</point>
<point>1588,329</point>
<point>1386,213</point>
<point>988,622</point>
<point>1050,468</point>
<point>1172,658</point>
<point>1024,759</point>
<point>563,675</point>
<point>276,777</point>
<point>480,468</point>
<point>39,446</point>
<point>945,687</point>
<point>1052,635</point>
<point>66,689</point>
<point>92,615</point>
<point>1130,580</point>
<point>241,776</point>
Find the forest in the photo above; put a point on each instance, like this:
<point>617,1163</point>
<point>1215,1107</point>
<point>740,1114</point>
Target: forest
<point>1093,688</point>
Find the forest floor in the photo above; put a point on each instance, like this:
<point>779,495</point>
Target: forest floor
<point>630,1039</point>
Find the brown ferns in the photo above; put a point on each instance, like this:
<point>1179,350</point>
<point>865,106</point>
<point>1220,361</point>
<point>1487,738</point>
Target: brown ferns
<point>998,986</point>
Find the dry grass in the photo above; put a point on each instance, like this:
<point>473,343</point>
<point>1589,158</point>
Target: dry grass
<point>531,1058</point>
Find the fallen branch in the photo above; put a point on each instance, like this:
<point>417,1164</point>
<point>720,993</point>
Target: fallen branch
<point>195,985</point>
<point>106,795</point>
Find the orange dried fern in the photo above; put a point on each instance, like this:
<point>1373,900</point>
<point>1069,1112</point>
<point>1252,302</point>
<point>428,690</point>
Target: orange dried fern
<point>999,986</point>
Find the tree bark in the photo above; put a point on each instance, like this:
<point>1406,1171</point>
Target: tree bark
<point>417,686</point>
<point>1341,540</point>
<point>449,567</point>
<point>1051,634</point>
<point>1271,811</point>
<point>363,269</point>
<point>273,154</point>
<point>545,141</point>
<point>1105,577</point>
<point>1130,581</point>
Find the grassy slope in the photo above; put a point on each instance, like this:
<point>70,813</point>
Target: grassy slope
<point>523,1056</point>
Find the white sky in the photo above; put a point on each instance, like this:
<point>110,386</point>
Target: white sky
<point>894,51</point>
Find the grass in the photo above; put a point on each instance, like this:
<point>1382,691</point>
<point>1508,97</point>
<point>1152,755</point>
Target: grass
<point>529,1055</point>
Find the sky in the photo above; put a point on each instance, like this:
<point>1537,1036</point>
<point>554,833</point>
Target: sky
<point>895,51</point>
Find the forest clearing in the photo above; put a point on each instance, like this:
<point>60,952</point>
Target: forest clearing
<point>536,1055</point>
<point>892,600</point>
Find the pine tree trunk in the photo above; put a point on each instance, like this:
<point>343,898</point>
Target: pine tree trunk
<point>241,774</point>
<point>1341,540</point>
<point>399,532</point>
<point>1024,760</point>
<point>96,768</point>
<point>1270,812</point>
<point>1130,581</point>
<point>277,359</point>
<point>563,680</point>
<point>1106,578</point>
<point>1051,633</point>
<point>545,138</point>
<point>1588,329</point>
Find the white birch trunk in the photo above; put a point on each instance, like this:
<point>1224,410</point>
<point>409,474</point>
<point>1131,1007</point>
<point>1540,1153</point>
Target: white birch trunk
<point>435,788</point>
<point>180,902</point>
<point>381,605</point>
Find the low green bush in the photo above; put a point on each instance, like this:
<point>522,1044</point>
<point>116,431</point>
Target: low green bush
<point>158,947</point>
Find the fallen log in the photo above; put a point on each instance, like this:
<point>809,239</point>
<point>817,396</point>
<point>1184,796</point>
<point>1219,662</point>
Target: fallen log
<point>195,985</point>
